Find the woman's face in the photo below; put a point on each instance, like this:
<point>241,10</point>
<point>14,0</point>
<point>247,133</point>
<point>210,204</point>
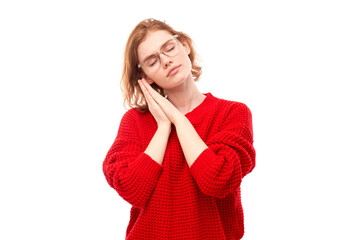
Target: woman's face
<point>151,45</point>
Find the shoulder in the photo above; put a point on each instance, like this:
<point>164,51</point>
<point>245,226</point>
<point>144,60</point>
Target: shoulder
<point>138,118</point>
<point>227,106</point>
<point>131,116</point>
<point>134,113</point>
<point>232,114</point>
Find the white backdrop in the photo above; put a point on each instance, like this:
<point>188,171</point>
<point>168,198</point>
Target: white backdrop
<point>294,63</point>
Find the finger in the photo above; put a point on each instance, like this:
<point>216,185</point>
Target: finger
<point>164,103</point>
<point>147,95</point>
<point>157,96</point>
<point>144,90</point>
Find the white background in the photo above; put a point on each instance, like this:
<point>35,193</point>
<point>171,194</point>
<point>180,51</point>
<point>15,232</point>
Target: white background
<point>294,63</point>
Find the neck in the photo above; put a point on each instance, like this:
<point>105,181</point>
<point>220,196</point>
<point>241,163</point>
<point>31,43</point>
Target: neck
<point>186,96</point>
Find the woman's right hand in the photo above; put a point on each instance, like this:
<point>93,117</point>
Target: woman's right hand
<point>154,108</point>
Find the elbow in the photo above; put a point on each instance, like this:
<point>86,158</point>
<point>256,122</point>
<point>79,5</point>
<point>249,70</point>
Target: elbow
<point>218,179</point>
<point>221,189</point>
<point>248,165</point>
<point>132,182</point>
<point>138,202</point>
<point>129,191</point>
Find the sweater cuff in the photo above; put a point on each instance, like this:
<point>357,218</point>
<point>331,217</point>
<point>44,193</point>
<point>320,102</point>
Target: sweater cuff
<point>203,164</point>
<point>146,166</point>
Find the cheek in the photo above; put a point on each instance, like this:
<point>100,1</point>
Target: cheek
<point>186,61</point>
<point>188,64</point>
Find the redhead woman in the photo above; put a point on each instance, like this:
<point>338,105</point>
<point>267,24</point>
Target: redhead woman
<point>180,155</point>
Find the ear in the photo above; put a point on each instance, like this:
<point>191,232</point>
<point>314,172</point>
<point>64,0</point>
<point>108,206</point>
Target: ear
<point>186,47</point>
<point>149,80</point>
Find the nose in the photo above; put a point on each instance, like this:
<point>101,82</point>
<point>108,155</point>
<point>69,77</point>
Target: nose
<point>165,61</point>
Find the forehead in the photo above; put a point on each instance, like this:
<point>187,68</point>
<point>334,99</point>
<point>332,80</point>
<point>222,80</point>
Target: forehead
<point>152,42</point>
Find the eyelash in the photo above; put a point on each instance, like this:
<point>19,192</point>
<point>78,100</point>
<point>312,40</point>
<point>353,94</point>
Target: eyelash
<point>153,63</point>
<point>167,51</point>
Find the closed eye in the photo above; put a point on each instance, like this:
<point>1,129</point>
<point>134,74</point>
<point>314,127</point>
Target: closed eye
<point>153,63</point>
<point>170,49</point>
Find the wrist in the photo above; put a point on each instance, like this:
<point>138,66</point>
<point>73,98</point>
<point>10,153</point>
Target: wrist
<point>180,120</point>
<point>164,127</point>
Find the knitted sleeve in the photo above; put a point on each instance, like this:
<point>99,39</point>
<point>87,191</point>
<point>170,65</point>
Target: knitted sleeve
<point>130,171</point>
<point>230,155</point>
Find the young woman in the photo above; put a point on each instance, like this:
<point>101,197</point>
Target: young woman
<point>179,155</point>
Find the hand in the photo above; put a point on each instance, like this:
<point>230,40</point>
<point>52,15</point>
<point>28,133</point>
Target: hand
<point>154,108</point>
<point>156,101</point>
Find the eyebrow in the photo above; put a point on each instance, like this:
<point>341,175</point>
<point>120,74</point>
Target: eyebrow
<point>154,53</point>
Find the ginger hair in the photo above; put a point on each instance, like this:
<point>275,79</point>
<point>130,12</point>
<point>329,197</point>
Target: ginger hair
<point>130,88</point>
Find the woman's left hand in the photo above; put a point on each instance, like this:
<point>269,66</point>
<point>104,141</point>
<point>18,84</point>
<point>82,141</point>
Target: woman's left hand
<point>169,109</point>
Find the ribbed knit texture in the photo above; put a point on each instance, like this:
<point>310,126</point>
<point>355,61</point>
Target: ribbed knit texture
<point>171,200</point>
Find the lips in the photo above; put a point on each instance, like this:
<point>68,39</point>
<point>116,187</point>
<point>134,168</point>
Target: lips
<point>172,69</point>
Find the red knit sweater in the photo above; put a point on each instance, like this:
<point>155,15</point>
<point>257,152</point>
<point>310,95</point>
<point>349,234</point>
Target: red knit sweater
<point>171,200</point>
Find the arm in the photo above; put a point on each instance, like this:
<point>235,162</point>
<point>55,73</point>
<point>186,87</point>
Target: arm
<point>190,141</point>
<point>219,165</point>
<point>157,146</point>
<point>131,172</point>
